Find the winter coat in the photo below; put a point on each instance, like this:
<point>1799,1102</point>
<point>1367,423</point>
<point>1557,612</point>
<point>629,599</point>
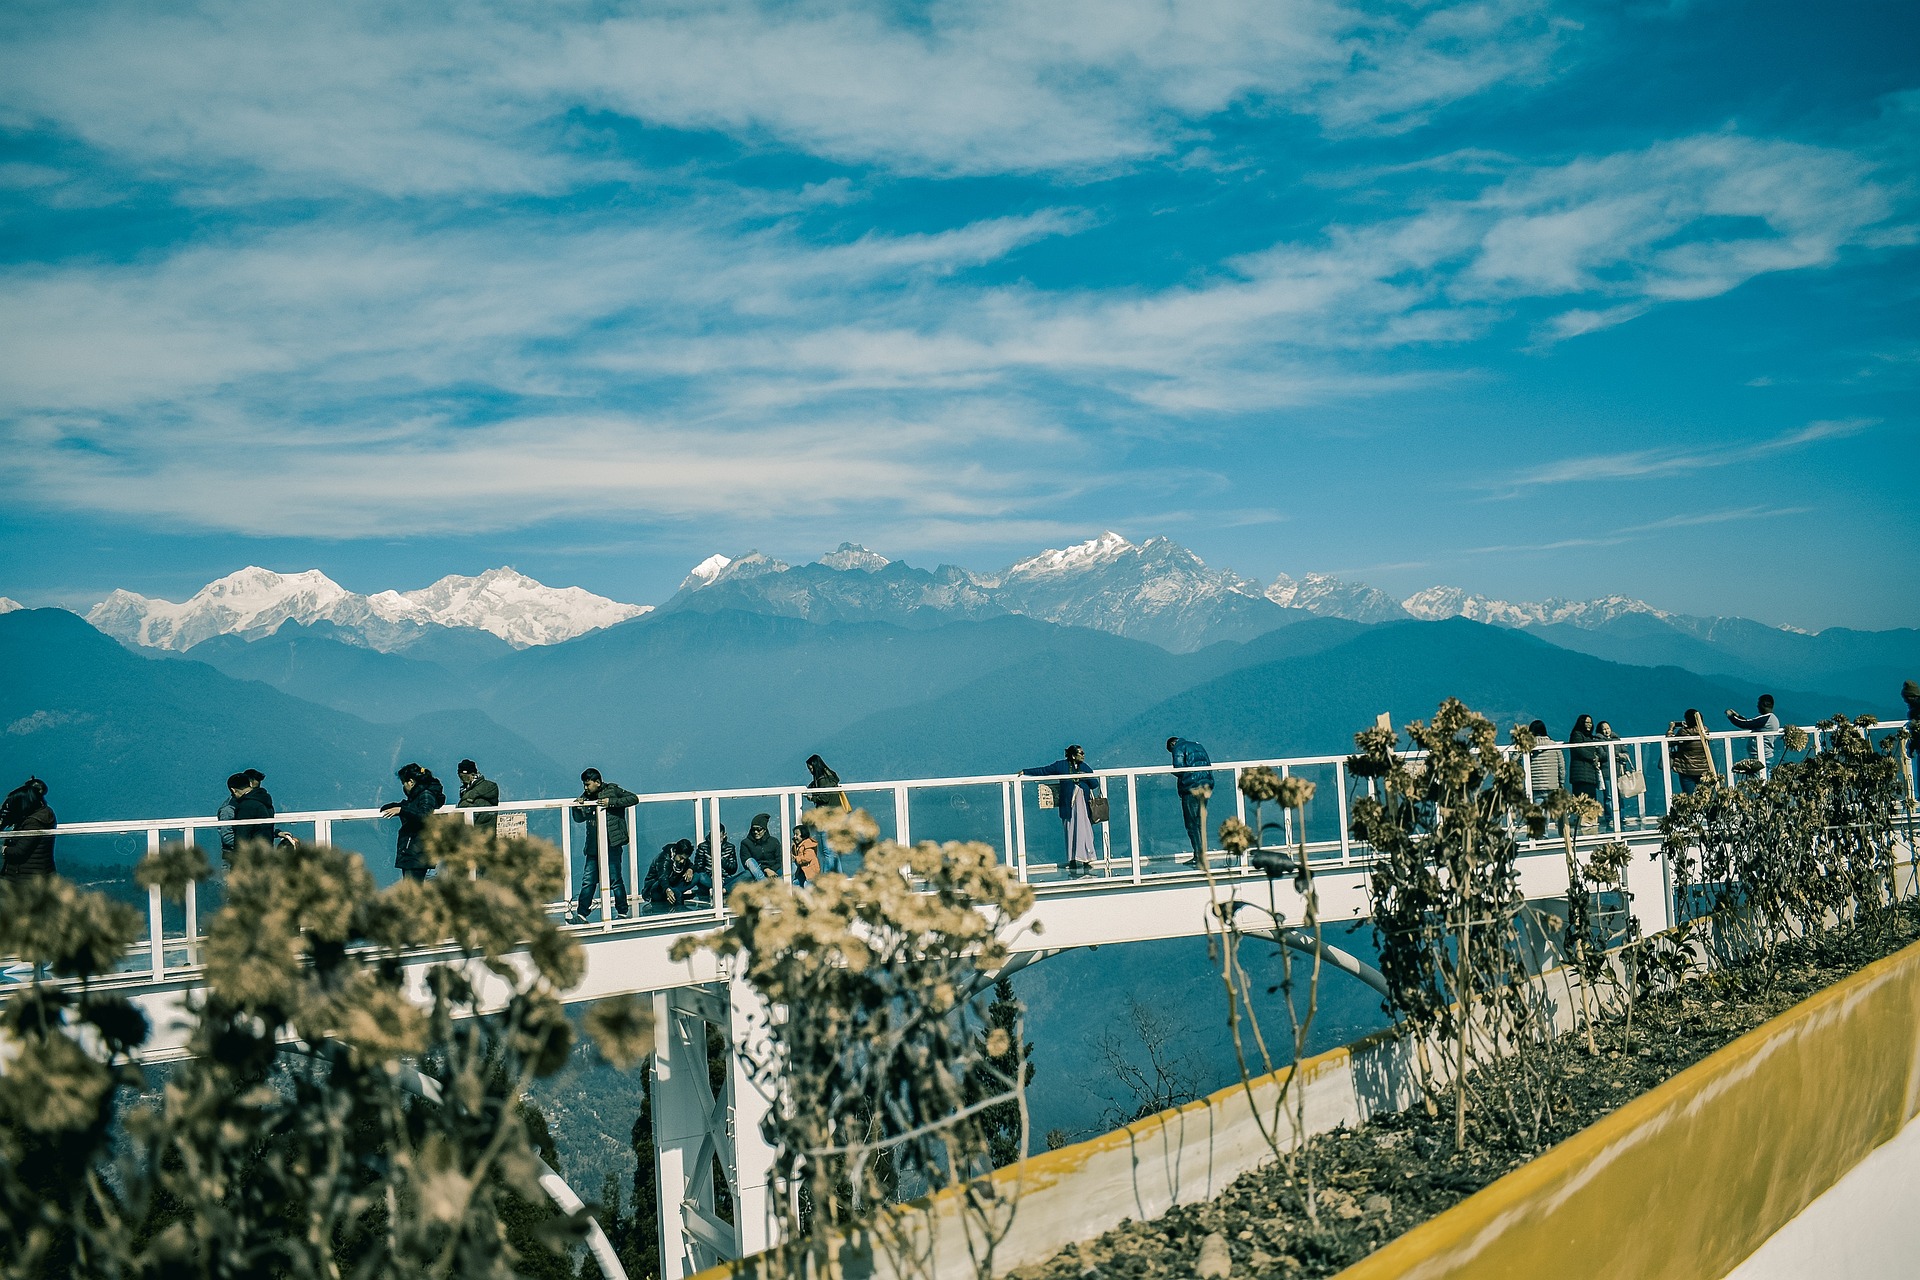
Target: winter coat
<point>228,836</point>
<point>481,793</point>
<point>1063,800</point>
<point>619,800</point>
<point>1186,754</point>
<point>1549,767</point>
<point>1687,749</point>
<point>1584,763</point>
<point>409,850</point>
<point>826,795</point>
<point>255,804</point>
<point>29,855</point>
<point>660,879</point>
<point>703,861</point>
<point>810,862</point>
<point>764,848</point>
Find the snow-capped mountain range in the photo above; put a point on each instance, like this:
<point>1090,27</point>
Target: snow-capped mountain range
<point>255,602</point>
<point>1157,590</point>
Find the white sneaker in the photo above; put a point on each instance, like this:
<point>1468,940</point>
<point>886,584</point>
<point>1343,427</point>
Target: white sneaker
<point>1183,857</point>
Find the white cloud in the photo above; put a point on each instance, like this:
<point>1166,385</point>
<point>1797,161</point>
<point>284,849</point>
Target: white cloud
<point>1655,464</point>
<point>252,95</point>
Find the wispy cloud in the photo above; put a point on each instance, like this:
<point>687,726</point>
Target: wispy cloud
<point>1651,464</point>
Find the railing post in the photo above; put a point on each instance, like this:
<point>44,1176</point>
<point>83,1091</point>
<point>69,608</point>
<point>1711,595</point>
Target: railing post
<point>1613,790</point>
<point>606,882</point>
<point>156,927</point>
<point>1340,791</point>
<point>192,905</point>
<point>323,831</point>
<point>1286,815</point>
<point>1133,821</point>
<point>633,860</point>
<point>787,802</point>
<point>1019,833</point>
<point>1666,773</point>
<point>1006,822</point>
<point>902,832</point>
<point>715,834</point>
<point>1106,830</point>
<point>567,882</point>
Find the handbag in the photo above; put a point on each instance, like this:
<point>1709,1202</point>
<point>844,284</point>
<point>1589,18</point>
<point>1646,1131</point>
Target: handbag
<point>1632,784</point>
<point>1098,809</point>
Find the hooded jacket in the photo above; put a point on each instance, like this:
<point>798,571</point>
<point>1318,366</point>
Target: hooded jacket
<point>409,853</point>
<point>763,848</point>
<point>1687,750</point>
<point>30,855</point>
<point>619,800</point>
<point>660,879</point>
<point>255,804</point>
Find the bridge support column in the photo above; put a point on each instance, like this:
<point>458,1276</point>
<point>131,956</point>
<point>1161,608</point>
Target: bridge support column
<point>696,1128</point>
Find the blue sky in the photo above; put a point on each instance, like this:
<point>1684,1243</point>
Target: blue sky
<point>1529,299</point>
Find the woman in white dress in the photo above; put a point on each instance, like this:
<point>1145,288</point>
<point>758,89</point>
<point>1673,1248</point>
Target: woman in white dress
<point>1076,822</point>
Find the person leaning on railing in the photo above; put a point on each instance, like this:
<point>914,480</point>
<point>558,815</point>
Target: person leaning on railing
<point>1911,692</point>
<point>424,794</point>
<point>611,800</point>
<point>1687,752</point>
<point>478,792</point>
<point>1765,728</point>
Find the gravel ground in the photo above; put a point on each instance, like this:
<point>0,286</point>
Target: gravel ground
<point>1397,1171</point>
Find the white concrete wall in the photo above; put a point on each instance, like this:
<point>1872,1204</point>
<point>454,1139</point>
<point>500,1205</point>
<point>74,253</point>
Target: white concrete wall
<point>1866,1227</point>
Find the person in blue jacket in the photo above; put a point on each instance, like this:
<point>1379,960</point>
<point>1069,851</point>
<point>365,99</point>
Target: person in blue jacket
<point>1194,782</point>
<point>1076,820</point>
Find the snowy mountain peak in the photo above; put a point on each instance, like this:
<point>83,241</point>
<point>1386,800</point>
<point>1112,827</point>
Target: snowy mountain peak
<point>851,555</point>
<point>703,574</point>
<point>1103,550</point>
<point>8,604</point>
<point>255,602</point>
<point>1452,602</point>
<point>1328,596</point>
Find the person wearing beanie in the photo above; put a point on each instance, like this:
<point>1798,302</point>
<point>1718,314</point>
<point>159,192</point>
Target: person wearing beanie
<point>478,792</point>
<point>760,850</point>
<point>601,800</point>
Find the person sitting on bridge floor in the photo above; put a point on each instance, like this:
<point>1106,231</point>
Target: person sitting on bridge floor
<point>825,787</point>
<point>810,860</point>
<point>669,881</point>
<point>425,794</point>
<point>26,810</point>
<point>760,851</point>
<point>1194,782</point>
<point>1765,728</point>
<point>1076,821</point>
<point>478,792</point>
<point>1687,751</point>
<point>703,864</point>
<point>610,801</point>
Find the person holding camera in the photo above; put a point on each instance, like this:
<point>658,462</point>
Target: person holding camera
<point>669,880</point>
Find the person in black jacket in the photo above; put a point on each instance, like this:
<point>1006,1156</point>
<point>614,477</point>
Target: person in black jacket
<point>1071,799</point>
<point>609,801</point>
<point>26,810</point>
<point>1193,779</point>
<point>246,802</point>
<point>703,864</point>
<point>670,879</point>
<point>825,786</point>
<point>760,851</point>
<point>259,781</point>
<point>478,792</point>
<point>424,795</point>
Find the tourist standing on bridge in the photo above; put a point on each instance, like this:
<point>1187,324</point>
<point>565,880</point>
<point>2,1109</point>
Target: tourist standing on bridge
<point>1765,728</point>
<point>826,793</point>
<point>247,802</point>
<point>1545,764</point>
<point>1687,751</point>
<point>669,881</point>
<point>1615,763</point>
<point>1584,763</point>
<point>477,792</point>
<point>425,794</point>
<point>26,810</point>
<point>1194,782</point>
<point>1910,691</point>
<point>1076,820</point>
<point>258,781</point>
<point>610,801</point>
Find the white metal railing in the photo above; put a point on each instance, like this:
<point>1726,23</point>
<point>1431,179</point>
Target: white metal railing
<point>1145,822</point>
